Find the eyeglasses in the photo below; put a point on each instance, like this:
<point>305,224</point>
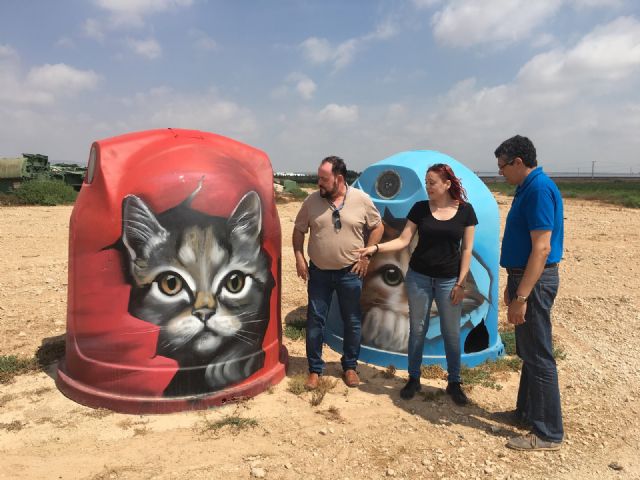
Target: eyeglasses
<point>505,164</point>
<point>337,224</point>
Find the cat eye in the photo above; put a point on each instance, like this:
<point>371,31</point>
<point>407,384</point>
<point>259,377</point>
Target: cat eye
<point>391,275</point>
<point>170,284</point>
<point>235,281</point>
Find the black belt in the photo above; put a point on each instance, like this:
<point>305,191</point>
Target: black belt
<point>520,271</point>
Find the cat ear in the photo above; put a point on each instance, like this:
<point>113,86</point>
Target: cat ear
<point>141,231</point>
<point>245,222</point>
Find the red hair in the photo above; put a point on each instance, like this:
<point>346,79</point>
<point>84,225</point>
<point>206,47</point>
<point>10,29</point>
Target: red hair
<point>456,190</point>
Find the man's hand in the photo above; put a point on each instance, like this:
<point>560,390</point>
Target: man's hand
<point>302,268</point>
<point>515,313</point>
<point>361,266</point>
<point>505,296</point>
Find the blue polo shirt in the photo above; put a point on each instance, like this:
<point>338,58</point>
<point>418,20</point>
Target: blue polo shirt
<point>537,205</point>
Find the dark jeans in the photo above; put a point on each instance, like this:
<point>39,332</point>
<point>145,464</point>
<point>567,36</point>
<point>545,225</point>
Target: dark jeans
<point>321,285</point>
<point>539,393</point>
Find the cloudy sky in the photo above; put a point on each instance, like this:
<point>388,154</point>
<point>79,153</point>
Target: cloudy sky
<point>302,79</point>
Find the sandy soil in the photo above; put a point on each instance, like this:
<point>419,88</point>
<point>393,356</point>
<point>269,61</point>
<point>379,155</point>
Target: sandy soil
<point>367,432</point>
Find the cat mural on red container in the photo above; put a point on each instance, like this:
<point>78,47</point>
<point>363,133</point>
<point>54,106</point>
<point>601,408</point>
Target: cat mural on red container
<point>174,275</point>
<point>205,282</point>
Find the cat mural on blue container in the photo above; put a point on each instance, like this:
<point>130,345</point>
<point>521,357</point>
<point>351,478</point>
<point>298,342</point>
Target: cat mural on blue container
<point>205,282</point>
<point>395,185</point>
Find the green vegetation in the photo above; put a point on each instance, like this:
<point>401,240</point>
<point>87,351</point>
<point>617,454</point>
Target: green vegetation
<point>12,365</point>
<point>616,192</point>
<point>298,193</point>
<point>509,340</point>
<point>486,374</point>
<point>296,384</point>
<point>232,421</point>
<point>45,192</point>
<point>295,331</point>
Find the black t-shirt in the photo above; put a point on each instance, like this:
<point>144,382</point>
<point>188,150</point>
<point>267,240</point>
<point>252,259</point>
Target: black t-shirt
<point>438,251</point>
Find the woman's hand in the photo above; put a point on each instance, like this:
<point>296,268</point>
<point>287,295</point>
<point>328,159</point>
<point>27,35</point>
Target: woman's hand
<point>457,294</point>
<point>365,252</point>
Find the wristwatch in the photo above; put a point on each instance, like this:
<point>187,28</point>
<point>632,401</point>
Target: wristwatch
<point>521,299</point>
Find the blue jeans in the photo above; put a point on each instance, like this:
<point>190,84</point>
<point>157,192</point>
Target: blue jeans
<point>421,291</point>
<point>348,287</point>
<point>539,393</point>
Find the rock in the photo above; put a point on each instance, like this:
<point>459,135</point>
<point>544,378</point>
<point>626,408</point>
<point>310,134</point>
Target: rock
<point>257,472</point>
<point>616,466</point>
<point>390,472</point>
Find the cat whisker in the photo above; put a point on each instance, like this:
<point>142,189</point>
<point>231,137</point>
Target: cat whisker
<point>247,332</point>
<point>244,339</point>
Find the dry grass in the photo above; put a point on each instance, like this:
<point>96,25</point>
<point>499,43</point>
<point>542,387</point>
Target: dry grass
<point>324,385</point>
<point>234,422</point>
<point>390,372</point>
<point>296,384</point>
<point>332,414</point>
<point>14,426</point>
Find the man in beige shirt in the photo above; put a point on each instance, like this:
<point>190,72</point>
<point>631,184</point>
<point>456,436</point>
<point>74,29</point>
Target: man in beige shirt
<point>338,218</point>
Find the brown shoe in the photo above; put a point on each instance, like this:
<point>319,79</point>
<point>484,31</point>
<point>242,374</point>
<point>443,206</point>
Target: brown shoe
<point>351,378</point>
<point>312,381</point>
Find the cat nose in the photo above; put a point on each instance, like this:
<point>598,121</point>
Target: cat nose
<point>204,313</point>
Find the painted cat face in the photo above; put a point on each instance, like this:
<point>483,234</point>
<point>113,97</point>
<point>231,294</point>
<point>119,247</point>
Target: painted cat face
<point>204,280</point>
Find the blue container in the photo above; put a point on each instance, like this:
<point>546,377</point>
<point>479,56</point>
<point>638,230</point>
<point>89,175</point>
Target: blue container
<point>395,185</point>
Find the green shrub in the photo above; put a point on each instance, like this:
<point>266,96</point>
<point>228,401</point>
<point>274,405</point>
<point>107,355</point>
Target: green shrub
<point>295,331</point>
<point>298,193</point>
<point>46,192</point>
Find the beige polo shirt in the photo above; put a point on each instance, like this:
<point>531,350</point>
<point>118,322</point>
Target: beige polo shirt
<point>330,249</point>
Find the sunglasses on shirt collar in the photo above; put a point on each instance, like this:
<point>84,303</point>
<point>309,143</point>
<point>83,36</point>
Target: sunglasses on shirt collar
<point>335,216</point>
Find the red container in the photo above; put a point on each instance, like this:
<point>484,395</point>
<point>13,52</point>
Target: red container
<point>174,275</point>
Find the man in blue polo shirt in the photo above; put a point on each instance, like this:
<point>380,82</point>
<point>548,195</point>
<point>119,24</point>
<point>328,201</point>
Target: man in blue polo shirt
<point>531,250</point>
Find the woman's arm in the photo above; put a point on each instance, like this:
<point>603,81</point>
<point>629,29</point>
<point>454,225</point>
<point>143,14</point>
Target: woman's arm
<point>466,249</point>
<point>392,245</point>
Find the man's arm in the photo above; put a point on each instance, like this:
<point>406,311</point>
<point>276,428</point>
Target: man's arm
<point>375,235</point>
<point>540,249</point>
<point>302,268</point>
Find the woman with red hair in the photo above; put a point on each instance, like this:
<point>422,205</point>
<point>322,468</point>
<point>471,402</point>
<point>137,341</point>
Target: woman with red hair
<point>437,271</point>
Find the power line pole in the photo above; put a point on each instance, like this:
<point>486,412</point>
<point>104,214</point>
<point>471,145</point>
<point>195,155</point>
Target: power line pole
<point>593,167</point>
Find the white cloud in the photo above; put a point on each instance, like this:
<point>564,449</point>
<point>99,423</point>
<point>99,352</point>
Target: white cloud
<point>302,84</point>
<point>61,78</point>
<point>42,85</point>
<point>317,50</point>
<point>463,23</point>
<point>166,107</point>
<point>306,88</point>
<point>339,113</point>
<point>609,53</point>
<point>320,50</point>
<point>148,48</point>
<point>131,13</point>
<point>596,3</point>
<point>92,28</point>
<point>202,41</point>
<point>7,52</point>
<point>65,42</point>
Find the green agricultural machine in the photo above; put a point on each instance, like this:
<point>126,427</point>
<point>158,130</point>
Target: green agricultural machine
<point>15,171</point>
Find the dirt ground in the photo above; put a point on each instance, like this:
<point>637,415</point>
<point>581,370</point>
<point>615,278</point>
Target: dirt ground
<point>367,432</point>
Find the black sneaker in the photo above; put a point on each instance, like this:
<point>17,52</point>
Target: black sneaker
<point>410,389</point>
<point>457,395</point>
